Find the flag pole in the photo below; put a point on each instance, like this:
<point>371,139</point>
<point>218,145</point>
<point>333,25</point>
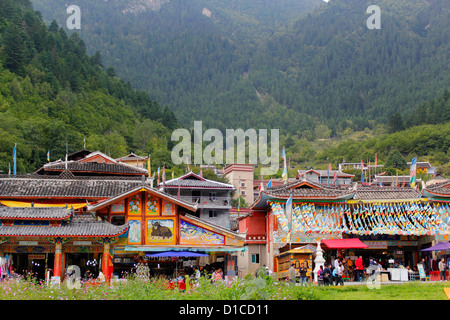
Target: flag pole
<point>15,159</point>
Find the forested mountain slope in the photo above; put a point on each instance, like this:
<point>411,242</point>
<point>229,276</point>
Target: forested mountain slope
<point>331,66</point>
<point>53,96</point>
<point>244,64</point>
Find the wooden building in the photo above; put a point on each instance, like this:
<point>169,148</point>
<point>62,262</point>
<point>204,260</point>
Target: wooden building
<point>394,223</point>
<point>133,160</point>
<point>102,215</point>
<point>93,164</point>
<point>38,239</point>
<point>160,222</point>
<point>213,198</point>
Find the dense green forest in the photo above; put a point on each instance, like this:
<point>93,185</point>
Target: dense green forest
<point>196,64</point>
<point>57,89</point>
<point>53,96</point>
<point>425,134</point>
<point>331,66</point>
<point>310,68</point>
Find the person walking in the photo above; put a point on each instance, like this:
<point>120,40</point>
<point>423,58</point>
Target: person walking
<point>327,275</point>
<point>359,269</point>
<point>345,267</point>
<point>292,276</point>
<point>338,275</point>
<point>337,261</point>
<point>350,267</point>
<point>320,276</point>
<point>303,271</point>
<point>442,269</point>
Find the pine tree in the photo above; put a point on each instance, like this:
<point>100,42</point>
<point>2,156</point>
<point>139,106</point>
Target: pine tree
<point>14,49</point>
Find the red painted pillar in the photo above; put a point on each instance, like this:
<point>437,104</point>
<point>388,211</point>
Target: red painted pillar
<point>57,268</point>
<point>107,266</point>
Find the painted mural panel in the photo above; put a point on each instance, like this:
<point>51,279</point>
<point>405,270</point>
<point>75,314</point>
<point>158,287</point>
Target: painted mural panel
<point>168,209</point>
<point>135,204</point>
<point>134,232</point>
<point>118,207</point>
<point>194,235</point>
<point>160,231</point>
<point>152,206</point>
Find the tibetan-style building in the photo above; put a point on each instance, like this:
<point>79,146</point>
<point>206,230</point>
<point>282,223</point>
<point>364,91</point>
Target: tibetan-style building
<point>161,222</point>
<point>38,238</point>
<point>93,164</point>
<point>213,198</point>
<point>104,216</point>
<point>394,223</point>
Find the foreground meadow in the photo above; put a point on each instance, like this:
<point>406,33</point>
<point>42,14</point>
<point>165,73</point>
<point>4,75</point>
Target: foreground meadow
<point>248,289</point>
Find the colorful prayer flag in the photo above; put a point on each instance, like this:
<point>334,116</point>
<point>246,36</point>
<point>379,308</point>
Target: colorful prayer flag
<point>412,172</point>
<point>362,171</point>
<point>285,173</point>
<point>288,211</point>
<point>158,174</point>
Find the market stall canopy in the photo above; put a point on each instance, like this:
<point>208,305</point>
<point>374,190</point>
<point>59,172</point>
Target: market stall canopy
<point>438,247</point>
<point>177,254</point>
<point>351,243</point>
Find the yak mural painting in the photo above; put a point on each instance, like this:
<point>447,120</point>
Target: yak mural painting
<point>160,231</point>
<point>194,235</point>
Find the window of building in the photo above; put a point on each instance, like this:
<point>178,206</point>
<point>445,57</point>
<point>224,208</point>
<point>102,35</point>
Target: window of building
<point>118,220</point>
<point>213,213</point>
<point>212,196</point>
<point>255,258</point>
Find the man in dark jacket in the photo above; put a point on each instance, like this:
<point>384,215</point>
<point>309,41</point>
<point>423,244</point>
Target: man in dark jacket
<point>327,275</point>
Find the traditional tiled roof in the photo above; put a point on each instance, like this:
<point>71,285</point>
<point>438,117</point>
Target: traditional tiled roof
<point>130,157</point>
<point>439,189</point>
<point>194,181</point>
<point>35,186</point>
<point>308,189</point>
<point>79,226</point>
<point>402,179</point>
<point>20,213</point>
<point>326,173</point>
<point>92,167</point>
<point>80,154</point>
<point>214,227</point>
<point>385,193</point>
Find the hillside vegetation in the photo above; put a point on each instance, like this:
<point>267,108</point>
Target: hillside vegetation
<point>291,65</point>
<point>53,96</point>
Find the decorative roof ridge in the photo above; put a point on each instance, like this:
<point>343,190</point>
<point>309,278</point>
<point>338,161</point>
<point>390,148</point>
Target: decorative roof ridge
<point>91,208</point>
<point>55,165</point>
<point>319,186</point>
<point>59,177</point>
<point>171,182</point>
<point>66,174</point>
<point>36,213</point>
<point>439,185</point>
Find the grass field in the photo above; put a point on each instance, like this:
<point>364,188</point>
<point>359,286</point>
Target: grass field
<point>404,291</point>
<point>247,289</point>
